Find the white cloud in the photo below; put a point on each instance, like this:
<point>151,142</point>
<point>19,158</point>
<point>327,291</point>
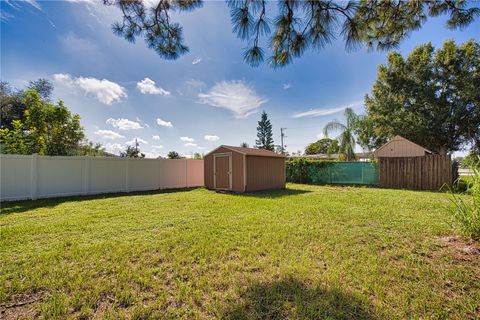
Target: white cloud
<point>82,1</point>
<point>81,49</point>
<point>157,147</point>
<point>197,60</point>
<point>108,134</point>
<point>164,123</point>
<point>114,148</point>
<point>190,144</point>
<point>155,137</point>
<point>124,124</point>
<point>198,84</point>
<point>5,16</point>
<point>209,137</point>
<point>187,139</point>
<point>325,111</point>
<point>139,140</point>
<point>147,86</point>
<point>34,3</point>
<point>286,86</point>
<point>236,96</point>
<point>105,91</point>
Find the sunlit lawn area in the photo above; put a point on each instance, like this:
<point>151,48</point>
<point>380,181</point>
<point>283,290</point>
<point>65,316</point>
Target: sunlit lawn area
<point>308,252</point>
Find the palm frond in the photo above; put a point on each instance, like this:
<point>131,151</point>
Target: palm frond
<point>333,126</point>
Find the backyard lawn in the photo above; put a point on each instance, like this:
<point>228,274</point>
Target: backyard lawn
<point>308,252</point>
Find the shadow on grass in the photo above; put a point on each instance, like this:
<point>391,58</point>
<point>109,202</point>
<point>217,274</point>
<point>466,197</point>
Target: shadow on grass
<point>276,193</point>
<point>291,299</point>
<point>9,207</point>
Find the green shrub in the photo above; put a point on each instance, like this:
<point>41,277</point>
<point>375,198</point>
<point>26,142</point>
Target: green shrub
<point>299,170</point>
<point>310,171</point>
<point>466,212</point>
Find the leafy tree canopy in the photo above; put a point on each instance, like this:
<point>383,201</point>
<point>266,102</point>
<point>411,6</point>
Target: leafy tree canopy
<point>430,97</point>
<point>325,146</point>
<point>12,106</point>
<point>264,133</point>
<point>47,129</point>
<point>173,155</point>
<point>298,25</point>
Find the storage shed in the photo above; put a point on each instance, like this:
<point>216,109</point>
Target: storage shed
<point>400,147</point>
<point>244,169</point>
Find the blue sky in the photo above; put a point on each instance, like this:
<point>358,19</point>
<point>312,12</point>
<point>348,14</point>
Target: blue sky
<point>206,98</point>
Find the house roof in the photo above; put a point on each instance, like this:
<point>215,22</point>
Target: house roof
<point>250,151</point>
<point>397,138</point>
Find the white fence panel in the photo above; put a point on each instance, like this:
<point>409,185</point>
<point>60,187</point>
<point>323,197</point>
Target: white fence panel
<point>173,173</point>
<point>107,175</point>
<point>16,176</point>
<point>32,177</point>
<point>59,176</point>
<point>144,174</point>
<point>195,173</point>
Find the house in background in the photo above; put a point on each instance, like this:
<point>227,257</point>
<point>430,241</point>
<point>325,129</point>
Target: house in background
<point>400,147</point>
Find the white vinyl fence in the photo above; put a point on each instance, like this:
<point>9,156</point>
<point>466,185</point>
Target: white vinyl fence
<point>32,177</point>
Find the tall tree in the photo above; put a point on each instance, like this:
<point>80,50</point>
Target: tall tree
<point>325,146</point>
<point>48,129</point>
<point>299,25</point>
<point>264,133</point>
<point>346,138</point>
<point>430,97</point>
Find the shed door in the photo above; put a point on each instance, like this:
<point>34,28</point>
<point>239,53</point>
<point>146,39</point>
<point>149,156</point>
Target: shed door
<point>222,172</point>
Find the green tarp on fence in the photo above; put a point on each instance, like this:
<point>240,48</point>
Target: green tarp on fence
<point>323,172</point>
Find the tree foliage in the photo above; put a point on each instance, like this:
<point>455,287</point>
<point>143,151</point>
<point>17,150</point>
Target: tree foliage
<point>430,97</point>
<point>323,146</point>
<point>264,133</point>
<point>47,129</point>
<point>12,106</point>
<point>173,155</point>
<point>298,25</point>
<point>346,138</point>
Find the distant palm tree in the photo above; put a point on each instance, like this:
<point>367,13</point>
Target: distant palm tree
<point>346,139</point>
<point>244,145</point>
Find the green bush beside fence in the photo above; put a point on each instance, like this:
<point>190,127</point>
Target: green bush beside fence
<point>331,172</point>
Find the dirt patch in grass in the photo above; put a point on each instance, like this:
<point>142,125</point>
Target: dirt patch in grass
<point>21,306</point>
<point>464,249</point>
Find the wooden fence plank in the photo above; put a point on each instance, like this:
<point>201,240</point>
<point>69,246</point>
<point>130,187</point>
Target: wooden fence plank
<point>429,172</point>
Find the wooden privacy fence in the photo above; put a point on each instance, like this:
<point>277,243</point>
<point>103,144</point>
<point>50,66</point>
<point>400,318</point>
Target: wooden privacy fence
<point>32,176</point>
<point>429,172</point>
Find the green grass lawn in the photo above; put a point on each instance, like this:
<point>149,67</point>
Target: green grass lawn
<point>308,252</point>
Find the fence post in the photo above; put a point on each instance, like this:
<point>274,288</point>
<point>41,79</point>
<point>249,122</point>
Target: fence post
<point>86,175</point>
<point>127,174</point>
<point>34,176</point>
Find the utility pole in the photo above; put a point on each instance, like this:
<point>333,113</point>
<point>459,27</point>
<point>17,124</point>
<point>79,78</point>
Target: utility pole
<point>136,146</point>
<point>282,135</point>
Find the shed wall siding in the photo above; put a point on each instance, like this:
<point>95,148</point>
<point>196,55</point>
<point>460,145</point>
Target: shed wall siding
<point>400,148</point>
<point>265,173</point>
<point>237,169</point>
